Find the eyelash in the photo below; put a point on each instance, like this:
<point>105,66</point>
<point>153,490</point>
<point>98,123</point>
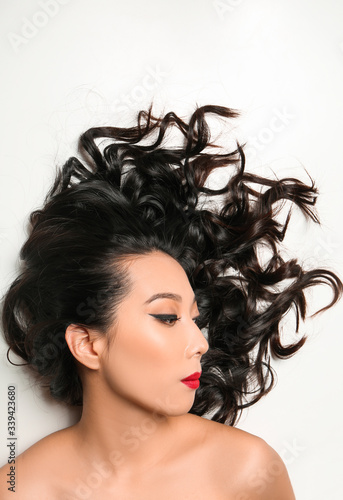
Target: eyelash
<point>165,318</point>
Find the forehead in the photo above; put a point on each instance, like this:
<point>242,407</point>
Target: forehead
<point>158,272</point>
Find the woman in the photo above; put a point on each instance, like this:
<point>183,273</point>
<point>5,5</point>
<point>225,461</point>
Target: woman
<point>138,278</point>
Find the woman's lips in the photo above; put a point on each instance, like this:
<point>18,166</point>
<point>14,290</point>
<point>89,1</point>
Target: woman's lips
<point>193,384</point>
<point>192,381</point>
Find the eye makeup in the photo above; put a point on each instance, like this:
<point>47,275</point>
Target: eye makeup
<point>171,318</point>
<point>165,318</point>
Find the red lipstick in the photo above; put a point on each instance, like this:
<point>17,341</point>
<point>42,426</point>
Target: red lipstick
<point>192,381</point>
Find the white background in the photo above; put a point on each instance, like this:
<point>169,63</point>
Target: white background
<point>70,65</point>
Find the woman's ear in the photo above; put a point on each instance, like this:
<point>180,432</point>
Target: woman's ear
<point>85,345</point>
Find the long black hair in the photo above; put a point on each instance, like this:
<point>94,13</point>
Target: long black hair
<point>135,195</point>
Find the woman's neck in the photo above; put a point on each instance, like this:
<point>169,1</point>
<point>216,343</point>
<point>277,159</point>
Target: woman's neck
<point>128,438</point>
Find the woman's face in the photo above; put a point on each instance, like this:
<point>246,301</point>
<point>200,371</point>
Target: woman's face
<point>156,340</point>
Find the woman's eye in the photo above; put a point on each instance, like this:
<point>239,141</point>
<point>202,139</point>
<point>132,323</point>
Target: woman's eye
<point>196,320</point>
<point>168,319</point>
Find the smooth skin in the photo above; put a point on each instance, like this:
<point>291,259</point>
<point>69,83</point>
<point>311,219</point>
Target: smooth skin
<point>135,439</point>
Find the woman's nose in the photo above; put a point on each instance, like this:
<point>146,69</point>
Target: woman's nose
<point>197,344</point>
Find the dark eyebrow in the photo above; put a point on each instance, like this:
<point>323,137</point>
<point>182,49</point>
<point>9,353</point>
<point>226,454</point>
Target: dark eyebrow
<point>166,295</point>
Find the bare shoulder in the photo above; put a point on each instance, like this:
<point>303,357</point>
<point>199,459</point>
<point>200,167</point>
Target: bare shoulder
<point>35,472</point>
<point>246,466</point>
